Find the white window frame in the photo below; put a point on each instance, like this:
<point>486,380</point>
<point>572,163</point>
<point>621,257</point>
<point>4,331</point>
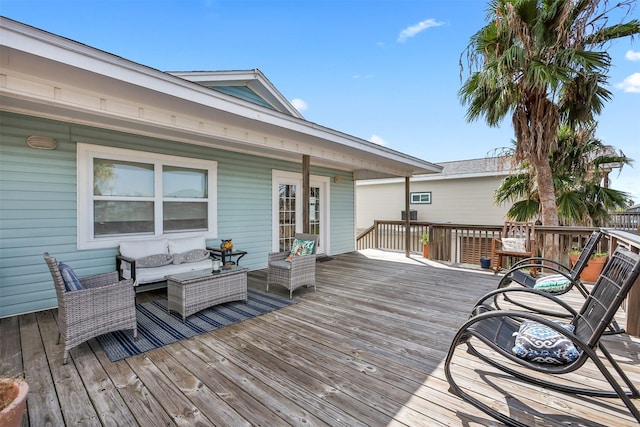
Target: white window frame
<point>419,195</point>
<point>84,163</point>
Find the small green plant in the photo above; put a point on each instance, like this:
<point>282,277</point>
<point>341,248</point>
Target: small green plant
<point>425,238</point>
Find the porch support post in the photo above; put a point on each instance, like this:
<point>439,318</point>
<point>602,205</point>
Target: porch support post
<point>407,218</point>
<point>306,191</point>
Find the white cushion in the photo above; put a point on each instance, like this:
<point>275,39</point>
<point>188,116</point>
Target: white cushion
<point>157,274</point>
<point>178,246</point>
<point>143,248</point>
<point>512,244</point>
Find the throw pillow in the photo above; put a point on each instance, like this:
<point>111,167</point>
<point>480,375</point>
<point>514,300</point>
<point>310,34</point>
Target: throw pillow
<point>194,255</point>
<point>156,260</point>
<point>513,244</point>
<point>554,283</point>
<point>538,343</point>
<point>178,246</point>
<point>71,281</point>
<point>300,248</point>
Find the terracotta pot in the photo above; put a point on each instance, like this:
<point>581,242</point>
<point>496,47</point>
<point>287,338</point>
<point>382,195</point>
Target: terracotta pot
<point>593,269</point>
<point>11,416</point>
<point>425,250</point>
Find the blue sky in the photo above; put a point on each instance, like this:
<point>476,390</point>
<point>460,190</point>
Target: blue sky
<point>386,71</point>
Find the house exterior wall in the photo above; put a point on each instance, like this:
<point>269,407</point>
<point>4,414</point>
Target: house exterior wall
<point>459,201</point>
<point>38,205</point>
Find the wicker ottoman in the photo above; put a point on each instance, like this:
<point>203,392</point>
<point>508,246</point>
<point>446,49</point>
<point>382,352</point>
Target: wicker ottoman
<point>188,293</point>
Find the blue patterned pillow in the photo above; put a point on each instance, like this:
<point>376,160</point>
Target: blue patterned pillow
<point>71,281</point>
<point>538,343</point>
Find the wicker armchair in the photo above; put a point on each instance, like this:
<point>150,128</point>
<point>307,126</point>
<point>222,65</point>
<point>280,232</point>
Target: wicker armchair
<point>301,271</point>
<point>104,304</point>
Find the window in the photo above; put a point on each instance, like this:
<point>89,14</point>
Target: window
<point>125,193</point>
<point>421,198</point>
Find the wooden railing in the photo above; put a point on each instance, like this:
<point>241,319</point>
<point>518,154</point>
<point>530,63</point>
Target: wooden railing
<point>624,221</point>
<point>461,243</point>
<point>466,244</point>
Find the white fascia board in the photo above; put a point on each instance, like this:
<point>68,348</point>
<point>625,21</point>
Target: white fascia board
<point>434,177</point>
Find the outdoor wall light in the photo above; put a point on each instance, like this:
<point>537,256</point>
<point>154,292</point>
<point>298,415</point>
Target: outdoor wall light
<point>337,179</point>
<point>42,142</point>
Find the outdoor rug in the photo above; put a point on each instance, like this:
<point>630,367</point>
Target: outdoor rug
<point>157,328</point>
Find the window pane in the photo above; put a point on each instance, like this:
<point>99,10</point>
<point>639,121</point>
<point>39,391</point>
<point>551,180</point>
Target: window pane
<point>116,178</point>
<point>287,208</point>
<point>185,216</point>
<point>122,217</point>
<point>184,183</point>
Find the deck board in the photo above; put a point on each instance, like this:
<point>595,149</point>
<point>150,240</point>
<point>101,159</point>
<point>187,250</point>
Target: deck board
<point>366,349</point>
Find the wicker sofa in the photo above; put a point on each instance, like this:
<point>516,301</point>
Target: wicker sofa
<point>149,261</point>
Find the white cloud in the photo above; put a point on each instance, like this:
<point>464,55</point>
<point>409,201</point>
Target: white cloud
<point>299,104</point>
<point>413,30</point>
<point>631,84</point>
<point>632,56</point>
<point>377,140</point>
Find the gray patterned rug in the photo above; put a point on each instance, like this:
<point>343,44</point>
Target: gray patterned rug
<point>157,328</point>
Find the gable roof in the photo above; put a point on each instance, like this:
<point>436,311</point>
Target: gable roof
<point>49,76</point>
<point>459,169</point>
<point>250,85</point>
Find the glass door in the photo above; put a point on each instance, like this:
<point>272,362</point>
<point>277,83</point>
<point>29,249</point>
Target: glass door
<point>287,202</point>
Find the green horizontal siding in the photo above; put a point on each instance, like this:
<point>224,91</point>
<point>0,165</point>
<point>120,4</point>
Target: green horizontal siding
<point>38,211</point>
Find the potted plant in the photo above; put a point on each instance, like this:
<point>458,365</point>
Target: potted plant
<point>13,399</point>
<point>425,244</point>
<point>594,266</point>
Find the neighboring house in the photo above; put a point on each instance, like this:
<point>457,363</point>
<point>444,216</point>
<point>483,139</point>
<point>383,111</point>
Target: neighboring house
<point>462,193</point>
<point>96,149</point>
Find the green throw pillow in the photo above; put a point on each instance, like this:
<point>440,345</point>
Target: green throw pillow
<point>300,248</point>
<point>554,283</point>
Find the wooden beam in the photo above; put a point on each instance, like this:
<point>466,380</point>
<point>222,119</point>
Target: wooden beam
<point>306,191</point>
<point>407,218</point>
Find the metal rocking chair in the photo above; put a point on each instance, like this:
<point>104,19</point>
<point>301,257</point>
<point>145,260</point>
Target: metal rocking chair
<point>496,329</point>
<point>571,276</point>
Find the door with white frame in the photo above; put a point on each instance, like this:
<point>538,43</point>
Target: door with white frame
<point>287,209</point>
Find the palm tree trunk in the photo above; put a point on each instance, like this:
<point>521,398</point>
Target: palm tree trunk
<point>548,207</point>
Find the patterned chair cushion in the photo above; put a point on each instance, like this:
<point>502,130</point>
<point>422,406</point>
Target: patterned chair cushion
<point>194,255</point>
<point>538,343</point>
<point>71,281</point>
<point>300,248</point>
<point>554,283</point>
<point>156,260</point>
<point>513,244</point>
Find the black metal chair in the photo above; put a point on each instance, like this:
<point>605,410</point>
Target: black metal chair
<point>499,330</point>
<point>518,274</point>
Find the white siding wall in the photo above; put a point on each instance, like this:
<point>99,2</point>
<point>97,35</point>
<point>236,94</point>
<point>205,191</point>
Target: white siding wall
<point>460,201</point>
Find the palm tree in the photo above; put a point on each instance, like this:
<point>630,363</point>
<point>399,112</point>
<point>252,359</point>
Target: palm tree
<point>543,62</point>
<point>580,166</point>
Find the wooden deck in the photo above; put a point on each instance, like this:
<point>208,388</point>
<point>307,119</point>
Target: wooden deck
<point>366,349</point>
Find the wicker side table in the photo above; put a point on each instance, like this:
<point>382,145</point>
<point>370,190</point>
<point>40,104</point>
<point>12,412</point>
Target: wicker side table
<point>188,293</point>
